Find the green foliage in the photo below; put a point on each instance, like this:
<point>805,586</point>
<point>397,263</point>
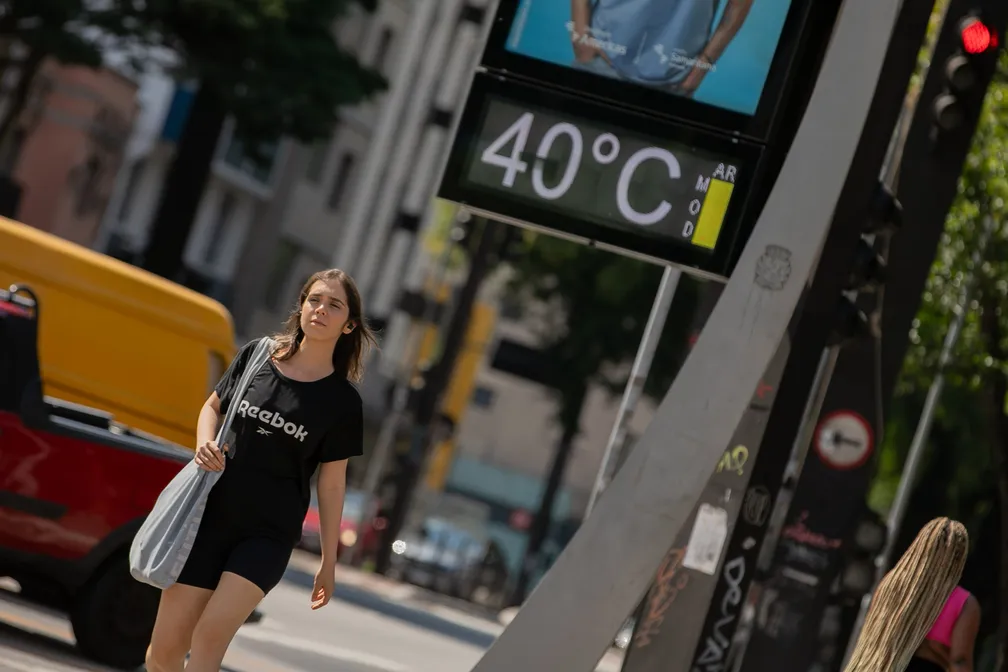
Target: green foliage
<point>591,307</point>
<point>274,64</point>
<point>963,424</point>
<point>50,28</point>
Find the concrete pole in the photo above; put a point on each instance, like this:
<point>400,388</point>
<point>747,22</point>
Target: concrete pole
<point>570,619</point>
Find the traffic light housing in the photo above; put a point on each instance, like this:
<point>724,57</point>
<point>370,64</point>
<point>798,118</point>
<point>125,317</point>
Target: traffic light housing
<point>977,41</point>
<point>868,270</point>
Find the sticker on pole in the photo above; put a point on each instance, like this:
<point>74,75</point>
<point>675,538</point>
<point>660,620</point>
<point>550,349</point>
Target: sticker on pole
<point>707,539</point>
<point>844,440</point>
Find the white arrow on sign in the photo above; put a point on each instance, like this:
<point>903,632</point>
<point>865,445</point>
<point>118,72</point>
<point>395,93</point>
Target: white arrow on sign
<point>844,440</point>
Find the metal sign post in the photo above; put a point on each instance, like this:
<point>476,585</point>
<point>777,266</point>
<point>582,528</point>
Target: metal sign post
<point>638,377</point>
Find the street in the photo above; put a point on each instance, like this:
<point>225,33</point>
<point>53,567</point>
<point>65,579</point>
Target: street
<point>372,625</point>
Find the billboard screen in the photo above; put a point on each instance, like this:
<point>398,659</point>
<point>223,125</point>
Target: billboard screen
<point>716,52</point>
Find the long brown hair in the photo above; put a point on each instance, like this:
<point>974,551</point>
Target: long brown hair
<point>348,355</point>
<point>910,597</point>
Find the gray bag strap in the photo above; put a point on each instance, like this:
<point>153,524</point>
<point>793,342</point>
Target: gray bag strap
<point>259,356</point>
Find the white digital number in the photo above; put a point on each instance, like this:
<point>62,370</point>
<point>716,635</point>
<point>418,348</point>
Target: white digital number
<point>573,161</point>
<point>605,150</point>
<point>512,164</point>
<point>626,177</point>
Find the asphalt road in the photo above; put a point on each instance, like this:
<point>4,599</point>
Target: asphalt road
<point>367,628</point>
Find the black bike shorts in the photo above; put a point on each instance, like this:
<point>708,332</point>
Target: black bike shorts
<point>261,560</point>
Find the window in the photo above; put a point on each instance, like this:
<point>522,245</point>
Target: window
<point>383,49</point>
<point>340,180</point>
<point>483,397</point>
<point>216,239</point>
<point>317,161</point>
<point>283,261</point>
<point>129,191</point>
<point>259,168</point>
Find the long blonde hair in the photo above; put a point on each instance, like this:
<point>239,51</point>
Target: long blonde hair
<point>910,597</point>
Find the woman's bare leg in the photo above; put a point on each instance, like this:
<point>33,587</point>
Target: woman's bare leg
<point>232,603</point>
<point>180,609</point>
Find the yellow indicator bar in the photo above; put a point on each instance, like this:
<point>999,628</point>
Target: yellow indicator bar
<point>712,214</point>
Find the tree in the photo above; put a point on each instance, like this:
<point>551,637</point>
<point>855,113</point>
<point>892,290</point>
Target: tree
<point>970,436</point>
<point>591,308</point>
<point>273,66</point>
<point>32,31</point>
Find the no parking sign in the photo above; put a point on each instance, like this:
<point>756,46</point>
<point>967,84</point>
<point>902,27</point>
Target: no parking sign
<point>844,440</point>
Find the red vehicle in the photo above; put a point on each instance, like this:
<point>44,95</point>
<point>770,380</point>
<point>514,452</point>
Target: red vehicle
<point>74,488</point>
<point>360,526</point>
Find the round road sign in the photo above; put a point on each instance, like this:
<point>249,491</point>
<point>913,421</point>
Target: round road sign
<point>844,440</point>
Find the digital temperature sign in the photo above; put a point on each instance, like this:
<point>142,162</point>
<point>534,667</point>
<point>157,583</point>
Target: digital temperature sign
<point>591,175</point>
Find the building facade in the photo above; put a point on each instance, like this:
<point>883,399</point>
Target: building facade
<point>69,147</point>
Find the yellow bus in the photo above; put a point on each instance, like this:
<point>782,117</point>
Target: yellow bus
<point>117,338</point>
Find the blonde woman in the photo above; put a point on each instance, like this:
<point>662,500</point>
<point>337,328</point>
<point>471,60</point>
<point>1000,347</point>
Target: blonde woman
<point>908,601</point>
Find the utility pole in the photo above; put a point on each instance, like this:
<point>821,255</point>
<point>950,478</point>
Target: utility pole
<point>569,620</point>
<point>435,380</point>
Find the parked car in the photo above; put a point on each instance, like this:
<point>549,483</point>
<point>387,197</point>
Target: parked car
<point>74,488</point>
<point>360,526</point>
<point>448,559</point>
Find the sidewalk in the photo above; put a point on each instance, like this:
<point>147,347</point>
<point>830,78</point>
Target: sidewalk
<point>393,590</point>
<point>459,612</point>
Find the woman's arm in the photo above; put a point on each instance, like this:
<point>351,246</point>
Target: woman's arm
<point>209,420</point>
<point>209,455</point>
<point>581,18</point>
<point>731,21</point>
<point>964,636</point>
<point>331,490</point>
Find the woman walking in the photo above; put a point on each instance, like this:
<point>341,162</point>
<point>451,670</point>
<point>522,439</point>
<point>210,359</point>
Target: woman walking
<point>910,598</point>
<point>300,413</point>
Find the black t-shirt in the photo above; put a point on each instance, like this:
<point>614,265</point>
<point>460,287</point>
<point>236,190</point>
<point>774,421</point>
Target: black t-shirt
<point>283,430</point>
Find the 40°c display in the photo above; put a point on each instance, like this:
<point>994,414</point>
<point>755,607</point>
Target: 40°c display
<point>609,176</point>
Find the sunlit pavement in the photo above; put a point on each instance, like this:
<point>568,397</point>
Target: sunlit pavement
<point>373,625</point>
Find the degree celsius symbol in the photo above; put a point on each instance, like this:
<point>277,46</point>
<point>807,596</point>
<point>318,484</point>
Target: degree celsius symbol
<point>605,157</point>
<point>605,150</point>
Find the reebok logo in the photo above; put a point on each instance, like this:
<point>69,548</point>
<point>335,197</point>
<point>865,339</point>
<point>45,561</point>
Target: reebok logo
<point>272,419</point>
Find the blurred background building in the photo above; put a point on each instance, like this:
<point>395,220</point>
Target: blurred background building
<point>361,200</point>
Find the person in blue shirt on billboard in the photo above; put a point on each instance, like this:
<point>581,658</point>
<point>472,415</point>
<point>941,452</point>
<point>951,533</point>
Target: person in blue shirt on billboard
<point>666,44</point>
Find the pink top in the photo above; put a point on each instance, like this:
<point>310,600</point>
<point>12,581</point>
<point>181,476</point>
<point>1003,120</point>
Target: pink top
<point>941,631</point>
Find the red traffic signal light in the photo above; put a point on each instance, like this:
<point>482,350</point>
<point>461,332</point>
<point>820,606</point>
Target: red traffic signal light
<point>976,36</point>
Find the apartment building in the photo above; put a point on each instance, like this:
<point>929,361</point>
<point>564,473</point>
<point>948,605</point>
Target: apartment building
<point>68,147</point>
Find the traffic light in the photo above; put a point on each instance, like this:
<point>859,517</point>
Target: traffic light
<point>976,43</point>
<point>867,271</point>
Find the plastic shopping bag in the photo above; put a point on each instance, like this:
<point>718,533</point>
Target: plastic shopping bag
<point>163,543</point>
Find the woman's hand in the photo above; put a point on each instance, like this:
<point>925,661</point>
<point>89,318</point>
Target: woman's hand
<point>325,583</point>
<point>209,457</point>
